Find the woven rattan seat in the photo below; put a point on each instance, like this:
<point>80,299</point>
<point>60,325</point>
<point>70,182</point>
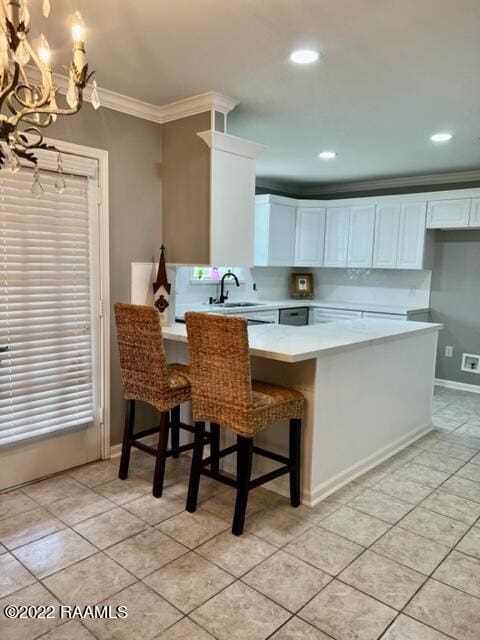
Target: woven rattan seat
<point>224,394</point>
<point>147,377</point>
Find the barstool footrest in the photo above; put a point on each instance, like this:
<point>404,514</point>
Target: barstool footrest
<point>256,482</point>
<point>220,477</point>
<point>267,477</point>
<point>270,454</point>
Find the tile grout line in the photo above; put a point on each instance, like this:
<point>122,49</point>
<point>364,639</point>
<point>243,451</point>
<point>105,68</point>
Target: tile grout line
<point>313,525</point>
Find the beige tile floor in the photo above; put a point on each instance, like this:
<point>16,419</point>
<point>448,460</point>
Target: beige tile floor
<point>394,555</point>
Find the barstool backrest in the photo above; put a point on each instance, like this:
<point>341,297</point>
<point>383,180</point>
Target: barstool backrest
<point>220,370</point>
<point>142,353</point>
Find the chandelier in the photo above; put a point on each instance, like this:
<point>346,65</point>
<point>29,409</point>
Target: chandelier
<point>27,106</point>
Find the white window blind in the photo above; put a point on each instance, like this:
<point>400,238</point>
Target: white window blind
<point>45,306</point>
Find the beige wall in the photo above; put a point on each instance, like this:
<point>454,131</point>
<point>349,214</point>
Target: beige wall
<point>133,145</point>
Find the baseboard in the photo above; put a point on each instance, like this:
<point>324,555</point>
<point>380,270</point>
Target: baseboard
<point>325,489</point>
<point>460,386</point>
<point>115,450</point>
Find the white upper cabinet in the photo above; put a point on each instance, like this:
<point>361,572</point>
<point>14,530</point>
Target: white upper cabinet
<point>385,245</point>
<point>336,236</point>
<point>475,213</point>
<point>448,214</point>
<point>309,236</point>
<point>360,237</point>
<point>274,236</point>
<point>411,239</point>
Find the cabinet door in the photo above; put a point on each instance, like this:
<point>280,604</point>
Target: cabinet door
<point>475,213</point>
<point>281,235</point>
<point>385,244</point>
<point>448,214</point>
<point>360,237</point>
<point>330,315</point>
<point>411,239</point>
<point>309,236</point>
<point>336,236</point>
<point>267,316</point>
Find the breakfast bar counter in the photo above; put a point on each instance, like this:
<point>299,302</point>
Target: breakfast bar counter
<point>368,386</point>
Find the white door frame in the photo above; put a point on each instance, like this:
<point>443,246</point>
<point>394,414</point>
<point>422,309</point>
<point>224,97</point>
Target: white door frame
<point>101,157</point>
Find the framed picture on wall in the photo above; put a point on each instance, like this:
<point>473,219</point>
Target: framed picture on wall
<point>302,285</point>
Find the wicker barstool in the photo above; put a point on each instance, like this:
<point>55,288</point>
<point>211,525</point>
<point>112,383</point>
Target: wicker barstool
<point>224,393</point>
<point>147,377</point>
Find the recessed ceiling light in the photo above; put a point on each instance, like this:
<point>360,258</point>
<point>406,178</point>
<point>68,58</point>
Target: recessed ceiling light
<point>304,56</point>
<point>327,155</point>
<point>441,137</point>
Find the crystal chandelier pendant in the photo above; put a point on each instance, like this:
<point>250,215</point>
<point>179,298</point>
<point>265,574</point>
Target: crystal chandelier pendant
<point>95,99</point>
<point>46,8</point>
<point>37,188</point>
<point>22,55</point>
<point>72,97</point>
<point>14,164</point>
<point>60,184</point>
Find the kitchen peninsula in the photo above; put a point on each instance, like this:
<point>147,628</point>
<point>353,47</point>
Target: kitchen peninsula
<point>368,385</point>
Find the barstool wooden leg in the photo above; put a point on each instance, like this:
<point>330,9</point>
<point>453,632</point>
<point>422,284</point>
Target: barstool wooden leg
<point>215,447</point>
<point>244,471</point>
<point>159,473</point>
<point>127,435</point>
<point>194,483</point>
<point>294,454</point>
<point>175,430</point>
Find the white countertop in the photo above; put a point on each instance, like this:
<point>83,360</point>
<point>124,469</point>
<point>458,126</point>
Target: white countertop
<point>294,344</point>
<point>269,305</point>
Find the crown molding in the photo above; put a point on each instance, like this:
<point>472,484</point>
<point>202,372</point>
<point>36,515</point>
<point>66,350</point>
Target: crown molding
<point>425,180</point>
<point>208,101</point>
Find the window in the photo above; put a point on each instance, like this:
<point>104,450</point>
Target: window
<point>47,376</point>
<point>212,275</point>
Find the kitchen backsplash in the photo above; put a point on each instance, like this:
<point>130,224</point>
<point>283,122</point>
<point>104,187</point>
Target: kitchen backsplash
<point>380,286</point>
<point>389,287</point>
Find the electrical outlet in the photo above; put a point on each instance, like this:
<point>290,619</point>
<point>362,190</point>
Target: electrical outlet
<point>471,363</point>
<point>413,292</point>
<point>448,351</point>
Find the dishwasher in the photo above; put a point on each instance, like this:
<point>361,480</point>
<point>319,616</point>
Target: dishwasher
<point>298,316</point>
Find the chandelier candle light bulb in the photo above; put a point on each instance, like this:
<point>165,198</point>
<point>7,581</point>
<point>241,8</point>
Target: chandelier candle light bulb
<point>78,35</point>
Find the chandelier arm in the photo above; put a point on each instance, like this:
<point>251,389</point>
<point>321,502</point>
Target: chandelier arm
<point>8,89</point>
<point>28,104</point>
<point>60,112</point>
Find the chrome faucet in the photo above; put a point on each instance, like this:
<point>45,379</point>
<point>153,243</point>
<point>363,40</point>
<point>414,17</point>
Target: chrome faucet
<point>223,294</point>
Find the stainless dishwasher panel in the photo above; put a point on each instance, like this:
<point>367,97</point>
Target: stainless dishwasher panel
<point>297,316</point>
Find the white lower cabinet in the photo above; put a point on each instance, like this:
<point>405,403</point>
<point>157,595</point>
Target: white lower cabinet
<point>267,316</point>
<point>319,315</point>
<point>360,236</point>
<point>261,316</point>
<point>385,245</point>
<point>411,238</point>
<point>448,214</point>
<point>336,236</point>
<point>309,236</point>
<point>475,213</point>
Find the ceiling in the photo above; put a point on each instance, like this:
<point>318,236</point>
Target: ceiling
<point>392,73</point>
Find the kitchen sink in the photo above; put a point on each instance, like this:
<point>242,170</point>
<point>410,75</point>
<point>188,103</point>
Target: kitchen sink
<point>238,304</point>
